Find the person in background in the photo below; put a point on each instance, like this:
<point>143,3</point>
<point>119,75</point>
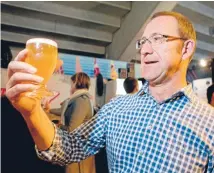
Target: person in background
<point>74,111</point>
<point>130,85</point>
<point>17,146</point>
<point>210,95</point>
<point>165,127</point>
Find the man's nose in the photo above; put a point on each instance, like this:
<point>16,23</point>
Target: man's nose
<point>146,48</point>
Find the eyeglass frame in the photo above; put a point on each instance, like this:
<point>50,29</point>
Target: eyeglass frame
<point>167,37</point>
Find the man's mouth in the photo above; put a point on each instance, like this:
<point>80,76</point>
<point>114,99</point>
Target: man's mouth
<point>150,62</point>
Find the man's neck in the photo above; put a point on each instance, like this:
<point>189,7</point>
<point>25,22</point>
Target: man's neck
<point>165,90</point>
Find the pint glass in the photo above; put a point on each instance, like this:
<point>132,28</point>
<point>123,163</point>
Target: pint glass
<point>43,55</point>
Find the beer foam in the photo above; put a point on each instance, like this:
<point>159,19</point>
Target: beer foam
<point>42,40</point>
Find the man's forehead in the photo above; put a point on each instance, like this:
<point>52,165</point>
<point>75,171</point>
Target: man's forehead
<point>167,25</point>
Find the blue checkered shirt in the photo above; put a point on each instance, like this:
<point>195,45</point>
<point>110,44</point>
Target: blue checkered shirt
<point>143,136</point>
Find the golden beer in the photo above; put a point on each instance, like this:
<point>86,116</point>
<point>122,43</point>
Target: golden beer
<point>43,55</point>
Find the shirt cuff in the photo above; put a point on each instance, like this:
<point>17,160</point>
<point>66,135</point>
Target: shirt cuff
<point>51,151</point>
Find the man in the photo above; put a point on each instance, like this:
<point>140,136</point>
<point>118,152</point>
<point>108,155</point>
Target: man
<point>130,85</point>
<point>163,128</point>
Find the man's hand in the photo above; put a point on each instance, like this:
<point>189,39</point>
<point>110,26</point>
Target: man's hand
<point>21,79</point>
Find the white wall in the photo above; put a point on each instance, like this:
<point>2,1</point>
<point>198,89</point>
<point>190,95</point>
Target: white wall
<point>111,88</point>
<point>61,84</point>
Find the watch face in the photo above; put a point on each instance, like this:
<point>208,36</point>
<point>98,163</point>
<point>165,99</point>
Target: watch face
<point>6,55</point>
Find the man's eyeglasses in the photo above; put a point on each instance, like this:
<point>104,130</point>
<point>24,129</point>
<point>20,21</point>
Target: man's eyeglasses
<point>156,39</point>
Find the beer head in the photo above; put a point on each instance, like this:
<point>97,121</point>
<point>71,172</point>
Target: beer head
<point>42,40</point>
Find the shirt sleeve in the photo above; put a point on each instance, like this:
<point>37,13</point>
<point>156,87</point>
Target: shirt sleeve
<point>86,140</point>
<point>211,155</point>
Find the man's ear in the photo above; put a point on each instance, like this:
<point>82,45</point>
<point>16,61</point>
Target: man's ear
<point>188,49</point>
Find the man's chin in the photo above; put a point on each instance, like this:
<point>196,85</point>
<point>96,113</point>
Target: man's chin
<point>155,80</point>
<point>149,78</point>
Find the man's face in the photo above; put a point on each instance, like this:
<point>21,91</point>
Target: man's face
<point>161,60</point>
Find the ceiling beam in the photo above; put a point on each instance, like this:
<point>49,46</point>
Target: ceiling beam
<point>198,56</point>
<point>202,33</point>
<point>205,46</point>
<point>119,4</point>
<point>54,27</point>
<point>62,44</point>
<point>66,11</point>
<point>198,7</point>
<point>201,29</point>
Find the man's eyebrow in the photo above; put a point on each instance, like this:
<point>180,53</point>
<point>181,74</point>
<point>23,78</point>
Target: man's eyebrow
<point>155,33</point>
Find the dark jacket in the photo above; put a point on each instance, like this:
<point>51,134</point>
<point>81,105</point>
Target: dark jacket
<point>18,153</point>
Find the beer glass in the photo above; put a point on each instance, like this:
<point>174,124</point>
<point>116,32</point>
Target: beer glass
<point>43,55</point>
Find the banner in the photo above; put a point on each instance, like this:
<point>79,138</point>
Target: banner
<point>89,65</point>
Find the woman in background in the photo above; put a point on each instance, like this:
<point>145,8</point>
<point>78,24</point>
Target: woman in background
<point>74,111</point>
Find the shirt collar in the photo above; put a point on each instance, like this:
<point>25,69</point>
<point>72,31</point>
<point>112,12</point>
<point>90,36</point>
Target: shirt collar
<point>187,91</point>
<point>144,89</point>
